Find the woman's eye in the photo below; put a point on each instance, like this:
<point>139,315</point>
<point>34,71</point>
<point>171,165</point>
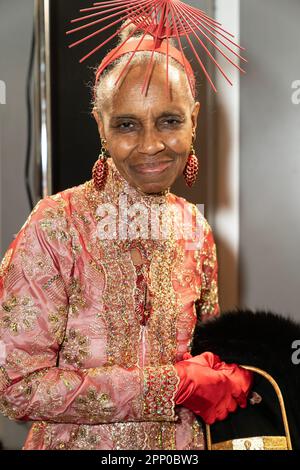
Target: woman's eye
<point>125,125</point>
<point>172,121</point>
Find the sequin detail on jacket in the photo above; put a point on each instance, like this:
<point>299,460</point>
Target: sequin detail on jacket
<point>91,326</point>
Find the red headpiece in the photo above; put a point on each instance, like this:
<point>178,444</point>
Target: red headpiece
<point>162,19</point>
<point>147,45</point>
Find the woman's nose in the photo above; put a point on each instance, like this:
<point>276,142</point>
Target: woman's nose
<point>150,142</point>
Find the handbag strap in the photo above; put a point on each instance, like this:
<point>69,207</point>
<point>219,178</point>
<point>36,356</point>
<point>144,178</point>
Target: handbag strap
<point>281,403</point>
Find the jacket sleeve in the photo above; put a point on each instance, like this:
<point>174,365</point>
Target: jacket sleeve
<point>35,275</point>
<point>208,268</point>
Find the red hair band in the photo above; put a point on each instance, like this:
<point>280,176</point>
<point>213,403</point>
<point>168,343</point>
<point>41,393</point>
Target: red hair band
<point>162,19</point>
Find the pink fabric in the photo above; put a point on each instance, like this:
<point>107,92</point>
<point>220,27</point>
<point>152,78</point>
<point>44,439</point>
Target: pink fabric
<point>74,357</point>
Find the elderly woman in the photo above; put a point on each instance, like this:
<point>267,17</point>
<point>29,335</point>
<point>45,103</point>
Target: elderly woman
<point>97,312</point>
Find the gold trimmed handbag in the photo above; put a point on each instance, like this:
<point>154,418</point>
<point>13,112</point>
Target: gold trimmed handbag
<point>257,442</point>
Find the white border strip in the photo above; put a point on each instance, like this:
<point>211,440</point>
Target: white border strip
<point>42,101</point>
<point>226,219</point>
<point>46,143</point>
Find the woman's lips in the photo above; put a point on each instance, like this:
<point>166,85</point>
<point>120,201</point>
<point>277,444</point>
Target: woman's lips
<point>150,168</point>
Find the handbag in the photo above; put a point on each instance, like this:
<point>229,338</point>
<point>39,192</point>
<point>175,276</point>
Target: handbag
<point>258,442</point>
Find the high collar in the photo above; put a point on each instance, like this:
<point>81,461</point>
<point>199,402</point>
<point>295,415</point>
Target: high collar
<point>115,189</point>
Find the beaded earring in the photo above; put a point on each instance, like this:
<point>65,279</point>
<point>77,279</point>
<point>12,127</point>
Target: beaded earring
<point>100,168</point>
<point>190,171</point>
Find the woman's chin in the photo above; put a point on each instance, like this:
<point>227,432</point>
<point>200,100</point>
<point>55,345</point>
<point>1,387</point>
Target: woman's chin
<point>152,188</point>
<point>151,185</point>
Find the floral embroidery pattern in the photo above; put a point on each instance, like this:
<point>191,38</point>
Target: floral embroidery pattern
<point>23,362</point>
<point>55,224</point>
<point>20,314</point>
<point>76,297</point>
<point>94,405</point>
<point>5,262</point>
<point>75,348</point>
<point>57,322</point>
<point>87,360</point>
<point>160,388</point>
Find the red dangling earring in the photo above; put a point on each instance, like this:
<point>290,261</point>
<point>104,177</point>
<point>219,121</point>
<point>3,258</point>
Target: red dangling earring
<point>190,171</point>
<point>100,169</point>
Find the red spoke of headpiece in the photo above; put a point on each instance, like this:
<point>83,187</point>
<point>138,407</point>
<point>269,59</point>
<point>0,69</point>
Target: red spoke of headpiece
<point>168,48</point>
<point>136,48</point>
<point>185,15</point>
<point>198,58</point>
<point>204,18</point>
<point>98,32</point>
<point>162,30</point>
<point>118,7</point>
<point>88,25</point>
<point>216,47</point>
<point>103,5</point>
<point>185,7</point>
<point>181,49</point>
<point>116,50</point>
<point>162,19</point>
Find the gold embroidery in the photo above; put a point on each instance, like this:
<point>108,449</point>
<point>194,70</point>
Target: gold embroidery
<point>107,280</point>
<point>57,321</point>
<point>95,405</point>
<point>86,438</point>
<point>24,363</point>
<point>210,299</point>
<point>5,262</point>
<point>24,389</point>
<point>76,298</point>
<point>76,347</point>
<point>198,436</point>
<point>206,265</point>
<point>21,314</point>
<point>143,436</point>
<point>4,379</point>
<point>13,275</point>
<point>119,436</point>
<point>162,324</point>
<point>160,385</point>
<point>34,263</point>
<point>54,223</point>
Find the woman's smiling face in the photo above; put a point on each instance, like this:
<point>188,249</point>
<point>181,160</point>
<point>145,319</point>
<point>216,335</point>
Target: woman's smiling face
<point>149,137</point>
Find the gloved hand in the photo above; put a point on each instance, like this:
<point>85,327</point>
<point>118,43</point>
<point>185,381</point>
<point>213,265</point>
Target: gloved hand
<point>211,388</point>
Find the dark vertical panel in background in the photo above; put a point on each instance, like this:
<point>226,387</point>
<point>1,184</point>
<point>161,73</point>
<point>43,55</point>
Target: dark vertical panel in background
<point>76,142</point>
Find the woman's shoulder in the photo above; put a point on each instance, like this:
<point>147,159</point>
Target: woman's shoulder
<point>54,206</point>
<point>190,209</point>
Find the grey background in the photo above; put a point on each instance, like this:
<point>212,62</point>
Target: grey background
<point>16,20</point>
<point>270,157</point>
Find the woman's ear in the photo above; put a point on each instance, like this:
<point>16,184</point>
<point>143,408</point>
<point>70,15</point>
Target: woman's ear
<point>195,113</point>
<point>99,122</point>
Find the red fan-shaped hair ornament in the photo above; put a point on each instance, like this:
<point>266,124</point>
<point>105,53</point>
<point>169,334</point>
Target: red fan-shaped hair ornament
<point>162,19</point>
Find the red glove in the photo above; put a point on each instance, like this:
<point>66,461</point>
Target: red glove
<point>211,388</point>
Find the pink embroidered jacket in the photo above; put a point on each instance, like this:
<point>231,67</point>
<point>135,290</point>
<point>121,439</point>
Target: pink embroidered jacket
<point>92,321</point>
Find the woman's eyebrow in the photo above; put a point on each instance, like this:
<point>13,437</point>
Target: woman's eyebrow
<point>124,116</point>
<point>163,114</point>
<point>172,113</point>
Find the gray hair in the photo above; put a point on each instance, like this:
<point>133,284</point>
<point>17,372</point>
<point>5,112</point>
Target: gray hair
<point>104,92</point>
